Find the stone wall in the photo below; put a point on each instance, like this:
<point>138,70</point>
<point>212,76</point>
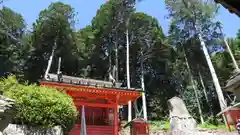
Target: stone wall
<point>13,129</point>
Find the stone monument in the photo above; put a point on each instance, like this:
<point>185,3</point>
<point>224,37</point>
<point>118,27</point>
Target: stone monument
<point>7,111</point>
<point>181,121</point>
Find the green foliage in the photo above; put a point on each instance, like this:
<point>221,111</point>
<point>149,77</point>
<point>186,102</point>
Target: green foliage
<point>91,51</point>
<point>188,18</point>
<point>40,106</point>
<point>54,26</point>
<point>165,125</point>
<point>12,29</point>
<point>215,123</point>
<point>222,62</point>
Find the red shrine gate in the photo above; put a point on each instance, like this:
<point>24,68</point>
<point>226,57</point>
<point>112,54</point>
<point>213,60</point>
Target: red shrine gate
<point>101,106</point>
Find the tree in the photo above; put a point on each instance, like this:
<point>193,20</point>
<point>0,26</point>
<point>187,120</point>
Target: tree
<point>228,48</point>
<point>87,53</point>
<point>107,25</point>
<point>184,49</point>
<point>146,37</point>
<point>116,14</point>
<point>196,18</point>
<point>144,32</point>
<point>12,30</point>
<point>54,26</point>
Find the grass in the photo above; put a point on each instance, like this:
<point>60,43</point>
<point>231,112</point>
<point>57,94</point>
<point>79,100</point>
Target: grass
<point>215,127</point>
<point>159,125</point>
<point>165,125</point>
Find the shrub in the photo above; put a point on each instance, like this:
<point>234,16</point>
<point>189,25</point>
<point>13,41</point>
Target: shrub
<point>40,106</point>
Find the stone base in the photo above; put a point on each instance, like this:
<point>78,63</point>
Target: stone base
<point>183,124</point>
<point>14,129</point>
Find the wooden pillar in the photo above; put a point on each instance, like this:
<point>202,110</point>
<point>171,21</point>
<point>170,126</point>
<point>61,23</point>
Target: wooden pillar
<point>228,125</point>
<point>116,116</point>
<point>116,120</point>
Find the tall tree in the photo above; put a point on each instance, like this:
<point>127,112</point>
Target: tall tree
<point>196,18</point>
<point>54,26</point>
<point>116,14</point>
<point>11,49</point>
<point>145,35</point>
<point>109,27</point>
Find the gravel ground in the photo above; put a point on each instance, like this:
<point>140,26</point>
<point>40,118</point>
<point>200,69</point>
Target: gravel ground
<point>196,133</point>
<point>202,132</point>
<point>199,131</point>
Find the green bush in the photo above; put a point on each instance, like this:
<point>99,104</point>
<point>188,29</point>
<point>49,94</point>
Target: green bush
<point>40,106</point>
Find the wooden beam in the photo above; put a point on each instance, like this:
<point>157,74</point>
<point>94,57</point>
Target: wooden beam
<point>115,120</point>
<point>86,94</point>
<point>110,99</point>
<point>117,98</point>
<point>80,103</point>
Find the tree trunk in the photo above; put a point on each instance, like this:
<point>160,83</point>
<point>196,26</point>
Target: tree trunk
<point>59,65</point>
<point>204,91</point>
<point>128,76</point>
<point>110,61</point>
<point>203,86</point>
<point>116,58</point>
<point>194,86</point>
<point>222,102</point>
<point>230,52</point>
<point>133,82</point>
<point>143,88</point>
<point>50,61</point>
<point>116,63</point>
<point>133,69</point>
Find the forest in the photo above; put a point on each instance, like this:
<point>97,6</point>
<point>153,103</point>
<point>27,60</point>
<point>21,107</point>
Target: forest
<point>169,65</point>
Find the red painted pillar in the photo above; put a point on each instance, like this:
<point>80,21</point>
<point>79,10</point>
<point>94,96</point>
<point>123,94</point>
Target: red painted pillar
<point>115,120</point>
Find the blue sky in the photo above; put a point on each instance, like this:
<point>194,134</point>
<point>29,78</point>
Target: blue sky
<point>87,9</point>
